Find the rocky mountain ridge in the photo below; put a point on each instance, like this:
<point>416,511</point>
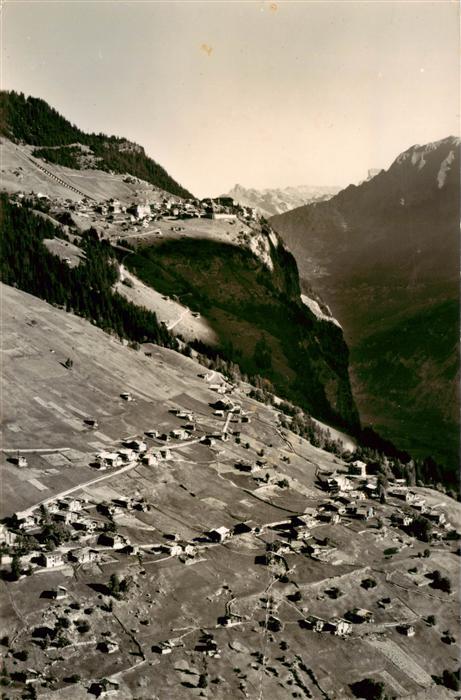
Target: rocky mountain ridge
<point>271,201</point>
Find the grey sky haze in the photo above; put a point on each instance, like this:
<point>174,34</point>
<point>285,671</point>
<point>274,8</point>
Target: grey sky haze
<point>267,94</point>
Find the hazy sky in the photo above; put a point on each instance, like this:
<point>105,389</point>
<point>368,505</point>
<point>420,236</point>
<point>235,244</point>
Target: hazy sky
<point>266,94</point>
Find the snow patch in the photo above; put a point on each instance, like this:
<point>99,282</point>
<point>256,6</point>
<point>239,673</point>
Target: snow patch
<point>273,239</point>
<point>444,169</point>
<point>417,158</point>
<point>417,152</point>
<point>317,311</point>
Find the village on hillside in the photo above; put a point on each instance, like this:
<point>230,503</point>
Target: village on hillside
<point>184,532</point>
<point>229,453</point>
<point>163,528</point>
<point>137,210</point>
<point>350,493</point>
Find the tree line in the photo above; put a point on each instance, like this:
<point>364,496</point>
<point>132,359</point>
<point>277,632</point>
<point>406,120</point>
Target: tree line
<point>382,456</point>
<point>86,290</point>
<point>63,155</point>
<point>35,122</point>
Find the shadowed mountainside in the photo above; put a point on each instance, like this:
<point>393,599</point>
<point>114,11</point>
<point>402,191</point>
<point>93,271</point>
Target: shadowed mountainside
<point>259,318</point>
<point>385,256</point>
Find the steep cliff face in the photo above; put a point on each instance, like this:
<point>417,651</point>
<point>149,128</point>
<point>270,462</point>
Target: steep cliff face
<point>257,312</point>
<point>385,256</point>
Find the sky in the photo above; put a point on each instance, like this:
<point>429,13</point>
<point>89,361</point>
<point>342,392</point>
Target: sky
<point>264,94</point>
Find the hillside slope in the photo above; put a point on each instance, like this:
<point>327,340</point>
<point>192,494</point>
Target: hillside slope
<point>238,612</point>
<point>414,377</point>
<point>33,121</point>
<point>248,295</point>
<point>383,255</point>
<point>23,172</point>
<point>254,307</point>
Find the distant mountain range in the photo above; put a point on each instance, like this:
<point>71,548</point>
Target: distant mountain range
<point>277,201</point>
<point>384,256</point>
